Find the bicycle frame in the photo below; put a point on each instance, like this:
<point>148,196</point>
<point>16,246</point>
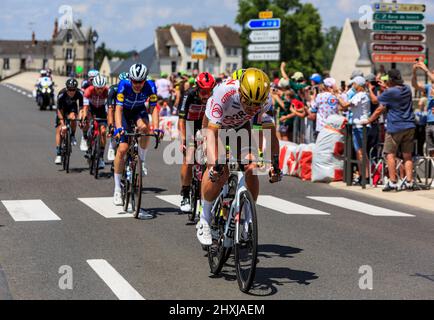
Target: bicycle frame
<point>234,209</point>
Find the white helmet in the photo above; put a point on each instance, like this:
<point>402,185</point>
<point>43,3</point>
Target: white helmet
<point>99,82</point>
<point>138,72</point>
<point>93,73</point>
<point>43,72</point>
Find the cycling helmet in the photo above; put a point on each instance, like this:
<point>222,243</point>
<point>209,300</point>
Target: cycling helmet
<point>138,72</point>
<point>124,76</point>
<point>93,73</point>
<point>316,78</point>
<point>237,74</point>
<point>205,80</point>
<point>71,84</point>
<point>254,86</point>
<point>43,73</point>
<point>99,82</point>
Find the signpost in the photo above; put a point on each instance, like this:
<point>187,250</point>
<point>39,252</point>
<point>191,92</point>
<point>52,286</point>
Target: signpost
<point>377,47</point>
<point>402,7</point>
<point>383,16</point>
<point>264,36</point>
<point>260,24</point>
<point>397,58</point>
<point>398,37</point>
<point>399,27</point>
<point>398,33</point>
<point>198,45</point>
<point>263,47</point>
<point>263,56</point>
<point>265,14</point>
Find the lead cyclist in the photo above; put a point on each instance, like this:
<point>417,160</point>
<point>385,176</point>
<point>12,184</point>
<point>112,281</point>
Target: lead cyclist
<point>234,105</point>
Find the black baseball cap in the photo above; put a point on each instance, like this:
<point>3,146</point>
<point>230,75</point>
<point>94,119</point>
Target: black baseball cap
<point>395,76</point>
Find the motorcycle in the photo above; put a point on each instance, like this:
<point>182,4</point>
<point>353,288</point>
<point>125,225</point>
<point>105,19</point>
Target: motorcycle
<point>45,94</point>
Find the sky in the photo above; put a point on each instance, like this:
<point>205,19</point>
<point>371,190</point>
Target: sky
<point>129,24</point>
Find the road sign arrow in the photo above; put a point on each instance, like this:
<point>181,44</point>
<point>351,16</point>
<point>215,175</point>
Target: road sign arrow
<point>264,47</point>
<point>383,16</point>
<point>387,7</point>
<point>399,27</point>
<point>265,56</point>
<point>396,58</point>
<point>398,37</point>
<point>258,24</point>
<point>265,36</point>
<point>384,47</point>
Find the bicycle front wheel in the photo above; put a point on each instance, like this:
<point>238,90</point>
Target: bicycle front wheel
<point>67,151</point>
<point>217,252</point>
<point>246,242</point>
<point>195,197</point>
<point>136,188</point>
<point>96,156</point>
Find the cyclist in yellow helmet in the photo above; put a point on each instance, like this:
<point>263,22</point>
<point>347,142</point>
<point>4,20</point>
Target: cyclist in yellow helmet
<point>233,105</point>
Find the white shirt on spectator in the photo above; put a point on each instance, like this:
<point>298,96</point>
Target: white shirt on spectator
<point>325,105</point>
<point>360,107</point>
<point>163,88</point>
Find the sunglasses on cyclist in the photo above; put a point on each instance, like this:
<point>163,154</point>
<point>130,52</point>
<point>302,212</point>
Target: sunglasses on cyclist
<point>72,90</point>
<point>247,104</point>
<point>137,82</point>
<point>205,92</point>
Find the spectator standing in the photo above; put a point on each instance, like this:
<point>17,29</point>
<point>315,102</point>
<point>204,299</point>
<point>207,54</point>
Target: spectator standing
<point>325,104</point>
<point>164,87</point>
<point>429,91</point>
<point>397,100</point>
<point>359,106</point>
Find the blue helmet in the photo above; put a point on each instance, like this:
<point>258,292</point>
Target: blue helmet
<point>124,76</point>
<point>316,78</point>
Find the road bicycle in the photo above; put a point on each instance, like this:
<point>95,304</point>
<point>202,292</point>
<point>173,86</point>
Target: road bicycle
<point>132,178</point>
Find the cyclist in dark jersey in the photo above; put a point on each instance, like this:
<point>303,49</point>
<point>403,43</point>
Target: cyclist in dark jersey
<point>111,105</point>
<point>191,113</point>
<point>68,102</point>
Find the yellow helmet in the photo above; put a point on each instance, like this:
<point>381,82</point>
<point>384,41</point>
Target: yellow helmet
<point>237,74</point>
<point>254,86</point>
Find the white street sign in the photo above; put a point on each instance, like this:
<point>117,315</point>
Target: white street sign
<point>264,47</point>
<point>265,36</point>
<point>266,56</point>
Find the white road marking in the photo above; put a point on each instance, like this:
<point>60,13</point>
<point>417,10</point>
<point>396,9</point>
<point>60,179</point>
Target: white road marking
<point>172,199</point>
<point>29,210</point>
<point>287,207</point>
<point>120,287</point>
<point>105,207</point>
<point>30,96</point>
<point>361,207</point>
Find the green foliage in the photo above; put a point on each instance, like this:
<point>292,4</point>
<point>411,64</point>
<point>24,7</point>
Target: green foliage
<point>304,46</point>
<point>102,52</point>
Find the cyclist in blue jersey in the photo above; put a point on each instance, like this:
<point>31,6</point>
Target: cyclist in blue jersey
<point>131,110</point>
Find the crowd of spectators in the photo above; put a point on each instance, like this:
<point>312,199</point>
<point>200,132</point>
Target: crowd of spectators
<point>381,103</point>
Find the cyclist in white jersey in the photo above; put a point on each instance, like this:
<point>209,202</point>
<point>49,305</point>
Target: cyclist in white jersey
<point>233,105</point>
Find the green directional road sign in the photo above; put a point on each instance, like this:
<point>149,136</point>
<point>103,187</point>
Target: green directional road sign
<point>384,16</point>
<point>399,27</point>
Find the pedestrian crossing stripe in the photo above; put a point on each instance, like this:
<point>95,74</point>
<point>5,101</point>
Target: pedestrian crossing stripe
<point>105,207</point>
<point>361,207</point>
<point>29,210</point>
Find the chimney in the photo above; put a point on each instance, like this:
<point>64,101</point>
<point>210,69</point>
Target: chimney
<point>33,38</point>
<point>56,29</point>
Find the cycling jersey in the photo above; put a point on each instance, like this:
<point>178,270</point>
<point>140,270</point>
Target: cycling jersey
<point>86,84</point>
<point>96,102</point>
<point>192,108</point>
<point>112,93</point>
<point>130,100</point>
<point>66,104</point>
<point>224,109</point>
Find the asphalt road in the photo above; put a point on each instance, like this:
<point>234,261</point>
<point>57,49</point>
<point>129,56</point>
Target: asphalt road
<point>301,256</point>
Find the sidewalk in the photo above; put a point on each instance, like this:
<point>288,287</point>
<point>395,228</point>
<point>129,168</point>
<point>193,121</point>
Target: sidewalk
<point>27,81</point>
<point>423,199</point>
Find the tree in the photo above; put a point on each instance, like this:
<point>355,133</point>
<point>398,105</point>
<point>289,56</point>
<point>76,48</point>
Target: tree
<point>331,40</point>
<point>102,51</point>
<point>301,38</point>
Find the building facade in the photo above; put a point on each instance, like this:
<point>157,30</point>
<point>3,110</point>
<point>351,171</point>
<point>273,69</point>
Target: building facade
<point>67,49</point>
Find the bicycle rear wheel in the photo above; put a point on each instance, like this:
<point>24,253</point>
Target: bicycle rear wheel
<point>246,248</point>
<point>126,187</point>
<point>96,156</point>
<point>67,151</point>
<point>195,197</point>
